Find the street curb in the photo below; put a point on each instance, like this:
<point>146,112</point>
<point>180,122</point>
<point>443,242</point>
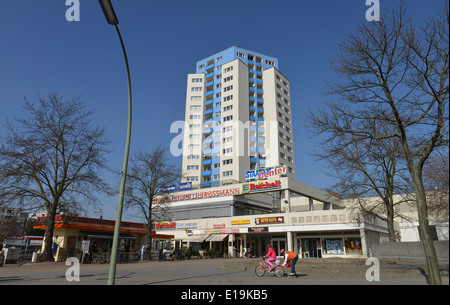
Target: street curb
<point>344,268</point>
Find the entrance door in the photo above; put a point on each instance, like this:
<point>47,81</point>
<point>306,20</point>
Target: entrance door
<point>278,244</point>
<point>311,247</point>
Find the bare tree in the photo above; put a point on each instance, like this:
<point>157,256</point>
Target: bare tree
<point>52,160</point>
<point>436,181</point>
<point>391,73</point>
<point>366,169</point>
<point>150,176</point>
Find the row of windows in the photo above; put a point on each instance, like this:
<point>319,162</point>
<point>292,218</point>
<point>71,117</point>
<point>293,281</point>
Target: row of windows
<point>284,127</point>
<point>283,108</point>
<point>284,146</point>
<point>283,156</point>
<point>283,136</point>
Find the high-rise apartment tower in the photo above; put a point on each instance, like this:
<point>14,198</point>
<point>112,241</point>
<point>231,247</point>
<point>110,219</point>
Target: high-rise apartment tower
<point>238,118</point>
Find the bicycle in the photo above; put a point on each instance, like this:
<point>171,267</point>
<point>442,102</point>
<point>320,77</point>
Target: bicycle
<point>261,269</point>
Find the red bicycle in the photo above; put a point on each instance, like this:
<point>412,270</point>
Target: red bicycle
<point>261,269</point>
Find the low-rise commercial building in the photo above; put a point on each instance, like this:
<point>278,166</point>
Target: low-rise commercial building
<point>288,214</point>
<point>72,234</point>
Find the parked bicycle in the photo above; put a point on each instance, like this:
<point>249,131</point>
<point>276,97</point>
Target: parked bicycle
<point>261,269</point>
<point>97,259</point>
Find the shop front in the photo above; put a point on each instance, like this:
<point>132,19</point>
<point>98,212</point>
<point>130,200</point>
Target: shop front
<point>329,244</point>
<point>74,235</point>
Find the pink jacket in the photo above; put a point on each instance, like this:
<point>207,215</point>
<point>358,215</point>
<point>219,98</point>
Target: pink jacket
<point>271,253</point>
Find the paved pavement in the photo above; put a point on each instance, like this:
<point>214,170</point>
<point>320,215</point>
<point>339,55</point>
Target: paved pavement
<point>219,272</point>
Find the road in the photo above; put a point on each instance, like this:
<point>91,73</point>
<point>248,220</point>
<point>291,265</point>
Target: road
<point>189,272</point>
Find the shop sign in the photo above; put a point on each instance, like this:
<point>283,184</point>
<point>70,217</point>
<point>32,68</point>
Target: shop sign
<point>266,173</point>
<point>185,186</point>
<point>198,195</point>
<point>240,222</point>
<point>221,231</point>
<point>189,225</point>
<point>166,226</point>
<point>260,186</point>
<point>264,220</point>
<point>219,226</point>
<point>258,229</point>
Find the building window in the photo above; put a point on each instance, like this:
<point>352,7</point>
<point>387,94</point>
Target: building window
<point>192,167</point>
<point>193,157</point>
<point>192,178</point>
<point>240,54</point>
<point>227,108</point>
<point>228,69</point>
<point>228,98</point>
<point>227,174</point>
<point>193,146</point>
<point>270,63</point>
<point>228,161</point>
<point>216,177</point>
<point>197,80</point>
<point>227,151</point>
<point>196,107</point>
<point>195,89</point>
<point>227,139</point>
<point>227,79</point>
<point>194,126</point>
<point>196,98</point>
<point>194,136</point>
<point>195,116</point>
<point>228,128</point>
<point>228,88</point>
<point>228,118</point>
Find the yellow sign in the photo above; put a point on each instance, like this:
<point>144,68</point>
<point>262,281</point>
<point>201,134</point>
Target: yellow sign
<point>240,222</point>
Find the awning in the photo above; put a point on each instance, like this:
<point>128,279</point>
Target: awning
<point>216,237</point>
<point>196,238</point>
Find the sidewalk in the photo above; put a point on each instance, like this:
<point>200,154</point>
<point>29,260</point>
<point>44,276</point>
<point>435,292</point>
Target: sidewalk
<point>341,265</point>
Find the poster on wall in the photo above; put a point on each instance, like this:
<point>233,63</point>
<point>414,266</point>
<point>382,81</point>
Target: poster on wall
<point>334,246</point>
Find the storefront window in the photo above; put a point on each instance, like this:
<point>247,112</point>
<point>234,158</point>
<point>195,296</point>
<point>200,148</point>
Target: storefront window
<point>333,246</point>
<point>353,245</point>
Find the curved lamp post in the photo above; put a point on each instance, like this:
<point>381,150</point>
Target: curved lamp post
<point>111,17</point>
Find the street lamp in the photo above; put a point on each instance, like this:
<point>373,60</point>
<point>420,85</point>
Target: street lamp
<point>111,17</point>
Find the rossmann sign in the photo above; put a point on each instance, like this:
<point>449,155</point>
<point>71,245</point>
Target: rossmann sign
<point>266,173</point>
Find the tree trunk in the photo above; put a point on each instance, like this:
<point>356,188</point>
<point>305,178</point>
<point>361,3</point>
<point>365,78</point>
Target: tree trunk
<point>425,233</point>
<point>390,221</point>
<point>149,235</point>
<point>48,235</point>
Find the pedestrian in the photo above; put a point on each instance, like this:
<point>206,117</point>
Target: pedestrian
<point>270,256</point>
<point>290,258</point>
<point>142,251</point>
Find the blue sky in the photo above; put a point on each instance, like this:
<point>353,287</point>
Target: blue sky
<point>41,52</point>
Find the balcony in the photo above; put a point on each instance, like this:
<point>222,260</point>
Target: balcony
<point>206,173</point>
<point>206,184</point>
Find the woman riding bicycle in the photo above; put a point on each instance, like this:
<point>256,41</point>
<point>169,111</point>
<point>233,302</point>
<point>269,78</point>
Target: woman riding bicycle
<point>270,256</point>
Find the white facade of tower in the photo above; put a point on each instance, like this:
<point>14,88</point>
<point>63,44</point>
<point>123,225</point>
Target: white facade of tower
<point>238,118</point>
